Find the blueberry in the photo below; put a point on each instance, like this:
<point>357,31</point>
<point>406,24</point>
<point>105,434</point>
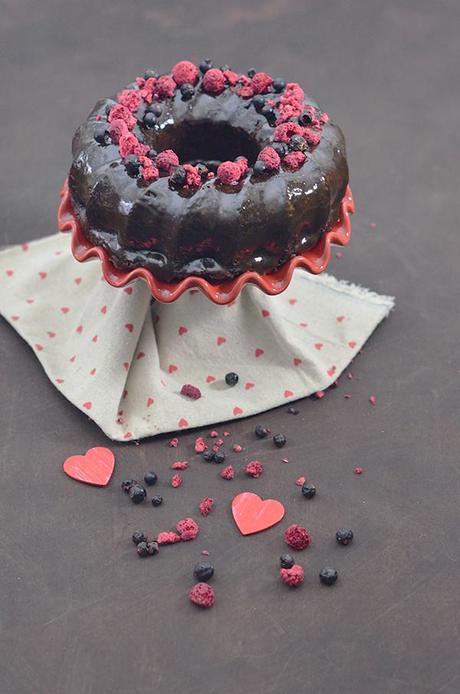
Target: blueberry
<point>132,165</point>
<point>279,84</point>
<point>127,484</point>
<point>187,91</point>
<point>308,490</point>
<point>208,456</point>
<point>258,102</point>
<point>178,178</point>
<point>203,571</point>
<point>293,410</point>
<point>139,536</point>
<point>328,576</point>
<point>101,134</point>
<point>137,493</point>
<point>150,479</point>
<point>142,549</point>
<point>231,379</point>
<point>152,153</point>
<point>202,169</point>
<point>155,109</point>
<point>224,68</point>
<point>251,72</point>
<point>305,118</point>
<point>287,561</point>
<point>205,65</point>
<point>150,73</point>
<point>152,548</point>
<point>279,440</point>
<point>157,500</point>
<point>270,114</point>
<point>298,143</point>
<point>261,432</point>
<point>259,168</point>
<point>219,457</point>
<point>280,148</point>
<point>149,119</point>
<point>344,536</point>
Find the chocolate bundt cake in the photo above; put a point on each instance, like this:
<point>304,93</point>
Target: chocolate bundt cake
<point>207,172</point>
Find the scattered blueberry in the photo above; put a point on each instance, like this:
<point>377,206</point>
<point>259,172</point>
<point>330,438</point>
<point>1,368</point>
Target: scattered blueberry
<point>298,143</point>
<point>231,379</point>
<point>279,440</point>
<point>308,490</point>
<point>132,165</point>
<point>205,65</point>
<point>203,570</point>
<point>150,479</point>
<point>178,177</point>
<point>142,549</point>
<point>261,432</point>
<point>287,561</point>
<point>187,91</point>
<point>157,500</point>
<point>328,576</point>
<point>127,484</point>
<point>101,134</point>
<point>152,548</point>
<point>344,536</point>
<point>219,457</point>
<point>293,410</point>
<point>139,536</point>
<point>149,119</point>
<point>137,493</point>
<point>279,84</point>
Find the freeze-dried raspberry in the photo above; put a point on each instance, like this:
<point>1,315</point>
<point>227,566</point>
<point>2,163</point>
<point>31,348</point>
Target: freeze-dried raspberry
<point>231,77</point>
<point>117,128</point>
<point>190,391</point>
<point>202,594</point>
<point>270,158</point>
<point>312,137</point>
<point>214,434</point>
<point>167,160</point>
<point>293,90</point>
<point>130,98</point>
<point>213,81</point>
<point>297,537</point>
<point>193,178</point>
<point>254,469</point>
<point>244,87</point>
<point>200,445</point>
<point>165,86</point>
<point>292,577</point>
<point>294,160</point>
<point>173,443</point>
<point>229,172</point>
<point>168,538</point>
<point>185,72</point>
<point>261,82</point>
<point>237,448</point>
<point>228,473</point>
<point>120,112</point>
<point>206,505</point>
<point>188,529</point>
<point>285,131</point>
<point>301,481</point>
<point>176,481</point>
<point>179,465</point>
<point>243,164</point>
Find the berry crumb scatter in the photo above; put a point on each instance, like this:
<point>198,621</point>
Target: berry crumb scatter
<point>206,506</point>
<point>358,470</point>
<point>168,538</point>
<point>300,481</point>
<point>179,465</point>
<point>293,577</point>
<point>188,529</point>
<point>297,537</point>
<point>202,594</point>
<point>254,469</point>
<point>228,473</point>
<point>200,445</point>
<point>176,480</point>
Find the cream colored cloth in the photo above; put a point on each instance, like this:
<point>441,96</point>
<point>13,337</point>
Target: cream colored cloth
<point>123,360</point>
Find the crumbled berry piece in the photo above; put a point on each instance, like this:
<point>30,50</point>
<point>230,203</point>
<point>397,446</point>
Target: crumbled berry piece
<point>173,443</point>
<point>229,172</point>
<point>328,576</point>
<point>117,128</point>
<point>167,161</point>
<point>284,460</point>
<point>293,577</point>
<point>228,473</point>
<point>165,86</point>
<point>137,493</point>
<point>176,481</point>
<point>202,595</point>
<point>142,549</point>
<point>308,490</point>
<point>301,481</point>
<point>293,410</point>
<point>230,76</point>
<point>227,433</point>
<point>219,443</point>
<point>203,570</point>
<point>205,65</point>
<point>192,176</point>
<point>152,548</point>
<point>244,87</point>
<point>157,500</point>
<point>344,536</point>
<point>358,470</point>
<point>200,445</point>
<point>285,131</point>
<point>279,440</point>
<point>205,552</point>
<point>131,98</point>
<point>139,536</point>
<point>190,391</point>
<point>261,432</point>
<point>120,112</point>
<point>179,465</point>
<point>237,448</point>
<point>294,160</point>
<point>188,529</point>
<point>127,484</point>
<point>214,434</point>
<point>287,561</point>
<point>213,81</point>
<point>319,394</point>
<point>324,118</point>
<point>185,72</point>
<point>150,173</point>
<point>254,469</point>
<point>297,537</point>
<point>270,158</point>
<point>168,538</point>
<point>373,400</point>
<point>261,82</point>
<point>150,478</point>
<point>312,137</point>
<point>206,505</point>
<point>231,379</point>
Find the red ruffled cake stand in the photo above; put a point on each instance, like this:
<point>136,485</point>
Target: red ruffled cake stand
<point>315,260</point>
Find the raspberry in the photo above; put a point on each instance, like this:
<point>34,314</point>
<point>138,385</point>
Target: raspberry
<point>202,594</point>
<point>148,88</point>
<point>324,118</point>
<point>243,164</point>
<point>231,77</point>
<point>228,473</point>
<point>120,112</point>
<point>313,138</point>
<point>229,172</point>
<point>285,131</point>
<point>193,178</point>
<point>214,81</point>
<point>149,173</point>
<point>165,86</point>
<point>261,82</point>
<point>301,481</point>
<point>188,529</point>
<point>294,160</point>
<point>270,158</point>
<point>292,577</point>
<point>185,72</point>
<point>288,111</point>
<point>117,128</point>
<point>190,391</point>
<point>297,537</point>
<point>214,434</point>
<point>206,505</point>
<point>127,144</point>
<point>246,88</point>
<point>180,465</point>
<point>254,469</point>
<point>176,481</point>
<point>130,98</point>
<point>200,445</point>
<point>168,538</point>
<point>293,90</point>
<point>167,160</point>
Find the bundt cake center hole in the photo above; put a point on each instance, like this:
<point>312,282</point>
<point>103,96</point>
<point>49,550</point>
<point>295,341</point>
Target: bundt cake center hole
<point>207,142</point>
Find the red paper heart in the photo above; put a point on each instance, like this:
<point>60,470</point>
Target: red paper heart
<point>252,514</point>
<point>95,467</point>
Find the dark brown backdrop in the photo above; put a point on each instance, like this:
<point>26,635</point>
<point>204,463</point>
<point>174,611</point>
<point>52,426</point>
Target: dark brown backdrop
<point>80,614</point>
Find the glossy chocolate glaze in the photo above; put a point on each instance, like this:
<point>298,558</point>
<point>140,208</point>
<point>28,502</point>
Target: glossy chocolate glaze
<point>217,231</point>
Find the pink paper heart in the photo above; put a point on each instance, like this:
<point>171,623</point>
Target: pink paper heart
<point>95,467</point>
<point>252,514</point>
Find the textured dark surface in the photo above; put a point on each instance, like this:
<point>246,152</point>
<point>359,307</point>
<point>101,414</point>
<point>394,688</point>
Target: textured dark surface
<point>80,613</point>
